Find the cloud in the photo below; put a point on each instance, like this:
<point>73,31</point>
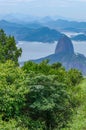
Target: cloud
<point>14,1</point>
<point>23,0</point>
<point>61,2</point>
<point>74,0</point>
<point>80,0</point>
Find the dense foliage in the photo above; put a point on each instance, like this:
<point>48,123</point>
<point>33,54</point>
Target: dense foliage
<point>12,90</point>
<point>8,48</point>
<point>37,96</point>
<point>48,101</point>
<point>79,117</point>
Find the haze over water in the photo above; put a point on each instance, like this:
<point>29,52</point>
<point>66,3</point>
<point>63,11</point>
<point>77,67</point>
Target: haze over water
<point>35,50</point>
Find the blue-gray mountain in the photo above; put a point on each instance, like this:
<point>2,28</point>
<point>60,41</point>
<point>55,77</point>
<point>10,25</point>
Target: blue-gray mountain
<point>80,37</point>
<point>30,32</point>
<point>65,25</point>
<point>42,32</point>
<point>64,53</point>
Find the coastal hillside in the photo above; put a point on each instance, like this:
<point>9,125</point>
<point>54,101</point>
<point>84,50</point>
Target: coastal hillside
<point>79,117</point>
<point>64,53</point>
<point>38,96</point>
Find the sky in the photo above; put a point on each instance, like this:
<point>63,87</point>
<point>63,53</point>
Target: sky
<point>74,9</point>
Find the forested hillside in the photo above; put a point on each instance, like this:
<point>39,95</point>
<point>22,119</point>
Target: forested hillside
<point>79,117</point>
<point>30,32</point>
<point>39,96</point>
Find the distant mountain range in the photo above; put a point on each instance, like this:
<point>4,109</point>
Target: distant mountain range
<point>55,22</point>
<point>30,32</point>
<point>44,30</point>
<point>79,37</point>
<point>65,25</point>
<point>24,18</point>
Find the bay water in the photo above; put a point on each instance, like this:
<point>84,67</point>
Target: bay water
<point>35,50</point>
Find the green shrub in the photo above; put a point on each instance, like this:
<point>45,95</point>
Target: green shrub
<point>48,101</point>
<point>12,89</point>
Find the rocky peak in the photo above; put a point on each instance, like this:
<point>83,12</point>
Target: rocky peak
<point>64,54</point>
<point>64,46</point>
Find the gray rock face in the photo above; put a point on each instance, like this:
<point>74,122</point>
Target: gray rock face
<point>64,46</point>
<point>64,53</point>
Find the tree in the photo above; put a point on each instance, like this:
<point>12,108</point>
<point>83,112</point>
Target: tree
<point>8,48</point>
<point>74,77</point>
<point>48,101</point>
<point>56,65</point>
<point>12,90</point>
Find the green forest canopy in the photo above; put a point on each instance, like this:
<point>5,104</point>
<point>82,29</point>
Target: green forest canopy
<point>8,48</point>
<point>36,96</point>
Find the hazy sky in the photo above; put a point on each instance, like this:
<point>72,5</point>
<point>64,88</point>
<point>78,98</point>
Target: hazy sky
<point>67,8</point>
